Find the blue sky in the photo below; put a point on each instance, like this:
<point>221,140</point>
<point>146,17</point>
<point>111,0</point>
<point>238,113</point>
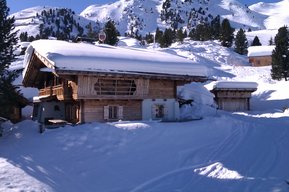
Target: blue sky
<point>76,5</point>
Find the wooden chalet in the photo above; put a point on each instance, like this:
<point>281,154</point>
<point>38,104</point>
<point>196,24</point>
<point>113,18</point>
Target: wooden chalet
<point>260,55</point>
<point>81,82</point>
<point>14,112</point>
<point>234,96</point>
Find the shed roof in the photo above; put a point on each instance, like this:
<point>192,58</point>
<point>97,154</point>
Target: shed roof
<point>235,85</point>
<point>257,51</point>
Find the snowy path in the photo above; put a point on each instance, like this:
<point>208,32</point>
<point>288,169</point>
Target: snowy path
<point>244,152</point>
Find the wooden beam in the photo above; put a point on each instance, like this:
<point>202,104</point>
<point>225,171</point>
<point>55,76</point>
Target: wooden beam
<point>128,74</point>
<point>44,60</point>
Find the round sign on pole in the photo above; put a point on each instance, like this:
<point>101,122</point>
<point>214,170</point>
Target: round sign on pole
<point>101,36</point>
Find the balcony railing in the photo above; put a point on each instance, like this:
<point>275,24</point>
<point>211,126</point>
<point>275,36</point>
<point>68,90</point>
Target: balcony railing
<point>62,93</point>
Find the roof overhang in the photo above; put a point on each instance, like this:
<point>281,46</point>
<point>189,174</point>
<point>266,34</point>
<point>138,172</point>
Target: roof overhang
<point>130,74</point>
<point>37,65</point>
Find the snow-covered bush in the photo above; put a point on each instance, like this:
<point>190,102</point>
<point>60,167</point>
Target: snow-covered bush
<point>197,101</point>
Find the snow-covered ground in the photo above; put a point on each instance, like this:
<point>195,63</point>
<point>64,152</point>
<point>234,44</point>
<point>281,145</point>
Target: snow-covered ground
<point>241,151</point>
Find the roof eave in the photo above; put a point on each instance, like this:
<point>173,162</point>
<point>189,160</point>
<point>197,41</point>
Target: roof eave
<point>131,74</point>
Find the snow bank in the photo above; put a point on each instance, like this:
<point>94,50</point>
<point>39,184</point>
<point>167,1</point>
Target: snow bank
<point>202,101</point>
<point>218,171</point>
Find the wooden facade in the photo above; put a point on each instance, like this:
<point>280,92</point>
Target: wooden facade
<point>233,99</point>
<point>81,96</point>
<point>94,110</point>
<point>259,61</point>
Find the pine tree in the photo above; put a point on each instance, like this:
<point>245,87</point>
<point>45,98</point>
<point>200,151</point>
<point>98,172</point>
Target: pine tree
<point>271,42</point>
<point>180,35</point>
<point>158,35</point>
<point>241,42</point>
<point>167,38</point>
<point>280,55</point>
<point>91,32</point>
<point>149,38</point>
<point>111,33</point>
<point>8,40</point>
<point>192,34</point>
<point>216,27</point>
<point>226,33</point>
<point>256,41</point>
<point>23,36</point>
<point>206,32</point>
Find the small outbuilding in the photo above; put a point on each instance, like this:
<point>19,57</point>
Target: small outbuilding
<point>234,96</point>
<point>260,55</point>
<point>14,112</point>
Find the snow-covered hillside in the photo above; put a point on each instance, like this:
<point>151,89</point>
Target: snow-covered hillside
<point>50,20</point>
<point>146,16</point>
<point>277,13</point>
<point>139,17</point>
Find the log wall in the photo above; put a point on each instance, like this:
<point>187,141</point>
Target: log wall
<point>233,104</point>
<point>93,110</point>
<point>162,89</point>
<point>233,100</point>
<point>260,61</point>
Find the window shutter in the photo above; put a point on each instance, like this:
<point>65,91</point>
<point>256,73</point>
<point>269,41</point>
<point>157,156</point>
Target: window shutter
<point>105,112</point>
<point>120,112</point>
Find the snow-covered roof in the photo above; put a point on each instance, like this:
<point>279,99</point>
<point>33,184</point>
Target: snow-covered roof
<point>255,51</point>
<point>104,58</point>
<point>235,85</point>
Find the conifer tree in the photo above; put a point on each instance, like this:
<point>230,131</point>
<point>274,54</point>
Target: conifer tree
<point>149,38</point>
<point>192,34</point>
<point>256,41</point>
<point>158,35</point>
<point>167,38</point>
<point>216,27</point>
<point>23,36</point>
<point>180,35</point>
<point>280,55</point>
<point>241,42</point>
<point>226,33</point>
<point>271,42</point>
<point>111,33</point>
<point>91,32</point>
<point>8,40</point>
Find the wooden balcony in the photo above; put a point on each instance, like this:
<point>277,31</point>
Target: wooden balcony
<point>61,92</point>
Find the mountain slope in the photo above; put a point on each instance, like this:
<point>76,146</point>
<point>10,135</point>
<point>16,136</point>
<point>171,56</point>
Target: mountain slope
<point>139,17</point>
<point>133,16</point>
<point>51,21</point>
<point>146,15</point>
<point>277,13</point>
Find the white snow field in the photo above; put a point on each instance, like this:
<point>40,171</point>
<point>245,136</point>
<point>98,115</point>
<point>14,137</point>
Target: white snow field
<point>240,151</point>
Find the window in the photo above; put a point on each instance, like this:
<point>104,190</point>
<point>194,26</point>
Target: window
<point>113,112</point>
<point>115,87</point>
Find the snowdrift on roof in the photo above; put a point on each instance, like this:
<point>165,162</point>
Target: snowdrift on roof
<point>104,58</point>
<point>235,85</point>
<point>256,51</point>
